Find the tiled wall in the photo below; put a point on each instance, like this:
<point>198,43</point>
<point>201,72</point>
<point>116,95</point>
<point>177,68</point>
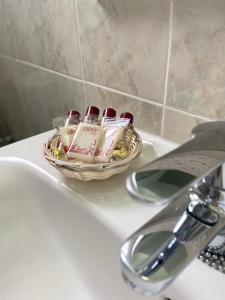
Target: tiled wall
<point>162,60</point>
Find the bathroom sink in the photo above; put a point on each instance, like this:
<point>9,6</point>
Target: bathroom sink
<point>54,245</point>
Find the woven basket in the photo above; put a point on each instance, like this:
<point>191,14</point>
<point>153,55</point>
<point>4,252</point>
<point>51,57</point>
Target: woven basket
<point>98,171</point>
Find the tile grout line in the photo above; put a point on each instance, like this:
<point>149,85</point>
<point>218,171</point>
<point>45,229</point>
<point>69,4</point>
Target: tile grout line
<point>123,93</point>
<point>80,52</point>
<point>167,67</point>
<point>80,80</point>
<point>39,67</point>
<point>188,113</point>
<point>104,87</point>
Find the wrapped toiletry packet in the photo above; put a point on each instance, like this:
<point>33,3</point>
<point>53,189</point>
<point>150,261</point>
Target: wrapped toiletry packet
<point>113,131</point>
<point>85,142</point>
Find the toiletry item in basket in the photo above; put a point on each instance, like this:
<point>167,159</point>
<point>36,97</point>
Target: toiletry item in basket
<point>59,152</point>
<point>107,143</point>
<point>128,116</point>
<point>85,142</point>
<point>121,150</point>
<point>108,114</point>
<point>113,131</point>
<point>66,136</point>
<point>91,115</point>
<point>57,148</point>
<point>67,132</point>
<point>130,128</point>
<point>72,118</point>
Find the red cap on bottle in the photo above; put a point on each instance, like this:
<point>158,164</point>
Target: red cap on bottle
<point>73,113</point>
<point>92,110</point>
<point>127,115</point>
<point>109,112</point>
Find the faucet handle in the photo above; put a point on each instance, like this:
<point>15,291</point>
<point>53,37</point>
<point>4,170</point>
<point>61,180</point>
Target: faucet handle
<point>206,127</point>
<point>203,213</point>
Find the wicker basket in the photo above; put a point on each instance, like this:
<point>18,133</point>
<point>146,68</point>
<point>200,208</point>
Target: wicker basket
<point>97,171</point>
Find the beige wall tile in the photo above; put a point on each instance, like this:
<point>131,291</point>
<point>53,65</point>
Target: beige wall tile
<point>31,97</point>
<point>178,125</point>
<point>147,116</point>
<point>124,46</point>
<point>197,74</point>
<point>4,131</point>
<point>42,32</point>
<point>125,43</point>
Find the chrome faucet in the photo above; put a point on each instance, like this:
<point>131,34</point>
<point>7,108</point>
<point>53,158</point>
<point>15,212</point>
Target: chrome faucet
<point>190,181</point>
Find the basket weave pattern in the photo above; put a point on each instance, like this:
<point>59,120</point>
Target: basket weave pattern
<point>98,171</point>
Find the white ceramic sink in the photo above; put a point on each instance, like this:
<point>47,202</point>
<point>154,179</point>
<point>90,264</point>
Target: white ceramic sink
<point>55,245</point>
<point>52,247</point>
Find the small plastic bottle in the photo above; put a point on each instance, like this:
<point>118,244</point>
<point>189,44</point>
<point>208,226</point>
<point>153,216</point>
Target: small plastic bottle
<point>128,115</point>
<point>108,114</point>
<point>91,115</point>
<point>72,118</point>
<point>67,133</point>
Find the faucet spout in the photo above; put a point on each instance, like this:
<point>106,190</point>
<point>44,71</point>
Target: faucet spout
<point>159,181</point>
<point>160,250</point>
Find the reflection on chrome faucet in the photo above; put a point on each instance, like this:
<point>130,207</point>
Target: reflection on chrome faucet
<point>190,181</point>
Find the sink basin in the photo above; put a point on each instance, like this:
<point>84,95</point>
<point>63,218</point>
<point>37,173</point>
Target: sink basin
<point>54,246</point>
